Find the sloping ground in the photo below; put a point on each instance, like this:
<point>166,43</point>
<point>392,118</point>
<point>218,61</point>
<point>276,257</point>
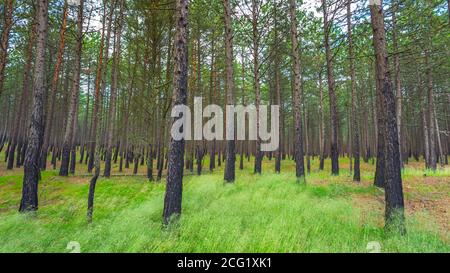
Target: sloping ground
<point>268,213</point>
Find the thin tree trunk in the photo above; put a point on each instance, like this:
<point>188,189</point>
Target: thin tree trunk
<point>72,115</point>
<point>430,108</point>
<point>322,125</point>
<point>355,125</point>
<point>102,57</point>
<point>297,99</point>
<point>21,111</point>
<point>229,175</point>
<point>53,89</point>
<point>331,92</point>
<point>256,84</point>
<point>113,95</point>
<point>398,87</point>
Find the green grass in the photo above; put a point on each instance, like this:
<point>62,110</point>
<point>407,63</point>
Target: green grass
<point>258,213</point>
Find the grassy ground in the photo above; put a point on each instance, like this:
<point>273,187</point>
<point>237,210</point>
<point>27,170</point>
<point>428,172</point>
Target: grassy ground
<point>267,213</point>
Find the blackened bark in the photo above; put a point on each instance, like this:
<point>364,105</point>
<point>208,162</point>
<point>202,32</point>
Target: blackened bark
<point>174,187</point>
<point>394,213</point>
<point>136,164</point>
<point>29,200</point>
<point>199,156</point>
<point>149,164</point>
<point>231,151</point>
<point>212,159</point>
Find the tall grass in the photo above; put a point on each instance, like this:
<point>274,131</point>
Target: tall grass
<point>258,213</point>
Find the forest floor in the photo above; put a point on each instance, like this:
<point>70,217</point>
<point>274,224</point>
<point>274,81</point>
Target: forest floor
<point>258,213</point>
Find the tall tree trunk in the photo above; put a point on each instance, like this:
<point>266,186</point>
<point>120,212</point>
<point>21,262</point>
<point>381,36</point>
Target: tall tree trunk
<point>256,84</point>
<point>331,92</point>
<point>53,89</point>
<point>430,108</point>
<point>174,186</point>
<point>425,126</point>
<point>355,125</point>
<point>322,125</point>
<point>394,213</point>
<point>113,95</point>
<point>278,94</point>
<point>4,39</point>
<point>72,115</point>
<point>102,62</point>
<point>212,98</point>
<point>297,99</point>
<point>398,87</point>
<point>29,200</point>
<point>21,111</point>
<point>229,175</point>
<point>244,142</point>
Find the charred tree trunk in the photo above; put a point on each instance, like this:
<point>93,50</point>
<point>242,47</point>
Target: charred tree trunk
<point>229,175</point>
<point>174,187</point>
<point>394,213</point>
<point>29,200</point>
